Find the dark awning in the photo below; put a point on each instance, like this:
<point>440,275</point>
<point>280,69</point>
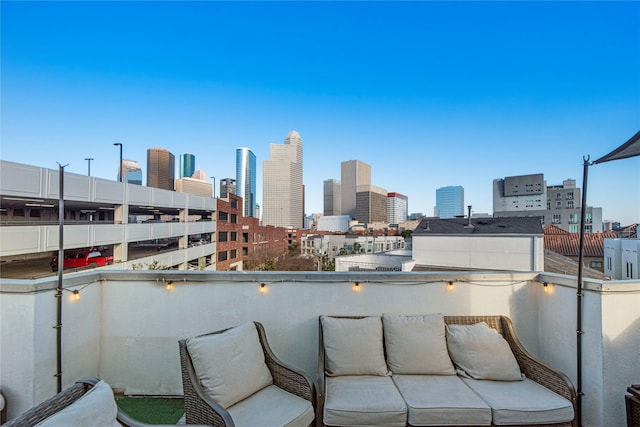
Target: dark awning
<point>630,148</point>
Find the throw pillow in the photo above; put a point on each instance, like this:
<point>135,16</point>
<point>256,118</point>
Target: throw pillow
<point>353,346</point>
<point>230,365</point>
<point>480,352</point>
<point>416,345</point>
<point>96,407</point>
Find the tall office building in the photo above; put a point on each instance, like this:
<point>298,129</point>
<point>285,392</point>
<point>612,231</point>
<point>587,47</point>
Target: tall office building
<point>246,180</point>
<point>187,165</point>
<point>227,186</point>
<point>332,197</point>
<point>371,204</point>
<point>354,174</point>
<point>449,201</point>
<point>132,172</point>
<point>397,208</point>
<point>283,192</point>
<point>529,195</point>
<point>160,168</point>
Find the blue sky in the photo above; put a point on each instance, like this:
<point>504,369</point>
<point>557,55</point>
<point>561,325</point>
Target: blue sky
<point>429,94</point>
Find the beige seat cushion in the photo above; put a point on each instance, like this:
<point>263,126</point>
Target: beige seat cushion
<point>441,400</point>
<point>480,352</point>
<point>362,401</point>
<point>353,346</point>
<point>416,345</point>
<point>522,402</point>
<point>230,365</point>
<point>96,407</point>
<point>272,407</point>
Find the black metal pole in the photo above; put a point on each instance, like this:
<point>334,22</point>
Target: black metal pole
<point>579,293</point>
<point>120,171</point>
<point>58,294</point>
<point>88,159</point>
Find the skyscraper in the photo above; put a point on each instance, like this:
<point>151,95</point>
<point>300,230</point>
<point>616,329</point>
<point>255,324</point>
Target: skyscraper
<point>354,173</point>
<point>371,204</point>
<point>246,180</point>
<point>283,193</point>
<point>187,165</point>
<point>132,172</point>
<point>332,197</point>
<point>449,201</point>
<point>160,168</point>
<point>397,208</point>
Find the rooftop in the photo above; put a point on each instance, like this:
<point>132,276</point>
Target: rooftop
<point>506,225</point>
<point>125,325</point>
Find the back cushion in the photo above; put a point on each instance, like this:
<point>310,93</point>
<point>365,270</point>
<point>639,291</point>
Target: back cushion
<point>416,345</point>
<point>230,365</point>
<point>353,346</point>
<point>96,407</point>
<point>481,353</point>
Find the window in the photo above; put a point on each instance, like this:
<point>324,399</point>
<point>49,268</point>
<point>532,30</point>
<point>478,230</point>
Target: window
<point>570,196</point>
<point>588,218</point>
<point>557,219</point>
<point>34,213</point>
<point>570,204</point>
<point>245,237</point>
<point>588,228</point>
<point>558,196</point>
<point>222,256</point>
<point>558,204</point>
<point>574,228</point>
<point>18,212</point>
<point>245,251</point>
<point>596,264</point>
<point>629,270</point>
<point>573,218</point>
<point>609,263</point>
<point>234,203</point>
<point>548,205</point>
<point>234,254</point>
<point>234,236</point>
<point>234,219</point>
<point>223,217</point>
<point>222,236</point>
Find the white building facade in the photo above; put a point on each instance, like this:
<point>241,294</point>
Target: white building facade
<point>622,258</point>
<point>397,208</point>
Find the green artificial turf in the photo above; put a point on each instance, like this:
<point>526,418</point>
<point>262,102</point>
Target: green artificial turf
<point>152,410</point>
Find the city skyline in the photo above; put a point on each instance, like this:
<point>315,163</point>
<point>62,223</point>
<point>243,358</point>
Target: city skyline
<point>427,93</point>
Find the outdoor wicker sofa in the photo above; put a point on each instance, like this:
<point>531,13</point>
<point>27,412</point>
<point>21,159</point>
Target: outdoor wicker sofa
<point>341,413</point>
<point>202,408</point>
<point>63,401</point>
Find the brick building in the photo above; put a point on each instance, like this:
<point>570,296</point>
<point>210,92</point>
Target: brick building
<point>239,237</point>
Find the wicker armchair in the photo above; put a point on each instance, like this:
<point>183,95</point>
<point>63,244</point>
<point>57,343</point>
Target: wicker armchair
<point>60,401</point>
<point>533,369</point>
<point>202,409</point>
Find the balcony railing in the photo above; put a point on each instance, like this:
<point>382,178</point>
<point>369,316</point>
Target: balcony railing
<point>126,324</point>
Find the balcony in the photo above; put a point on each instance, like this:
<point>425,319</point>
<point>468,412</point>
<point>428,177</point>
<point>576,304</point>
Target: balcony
<point>125,325</point>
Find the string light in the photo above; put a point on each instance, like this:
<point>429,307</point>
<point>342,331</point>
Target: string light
<point>356,287</point>
<point>76,294</point>
<point>263,288</point>
<point>169,285</point>
<point>450,286</point>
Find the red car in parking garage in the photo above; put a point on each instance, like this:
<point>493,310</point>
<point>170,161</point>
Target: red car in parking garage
<point>89,258</point>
